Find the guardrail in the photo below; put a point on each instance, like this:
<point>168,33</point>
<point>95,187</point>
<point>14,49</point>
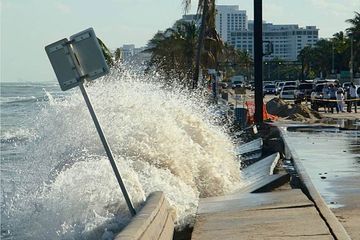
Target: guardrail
<point>155,221</point>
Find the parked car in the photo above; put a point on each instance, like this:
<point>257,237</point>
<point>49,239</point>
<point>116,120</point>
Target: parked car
<point>291,83</point>
<point>279,87</point>
<point>223,85</point>
<point>303,93</point>
<point>268,83</point>
<point>346,85</point>
<point>317,96</point>
<point>236,84</point>
<point>269,89</point>
<point>288,92</point>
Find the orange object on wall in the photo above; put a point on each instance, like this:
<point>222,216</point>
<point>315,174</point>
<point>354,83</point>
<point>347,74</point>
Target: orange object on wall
<point>250,105</point>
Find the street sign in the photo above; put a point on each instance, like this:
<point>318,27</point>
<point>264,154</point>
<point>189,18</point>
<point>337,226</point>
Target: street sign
<point>77,59</point>
<point>88,53</point>
<point>74,62</point>
<point>59,54</point>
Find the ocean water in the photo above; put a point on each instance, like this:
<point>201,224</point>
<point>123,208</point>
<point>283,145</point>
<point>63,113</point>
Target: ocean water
<point>56,181</point>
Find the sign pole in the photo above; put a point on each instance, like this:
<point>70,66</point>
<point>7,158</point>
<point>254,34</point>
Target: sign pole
<point>258,57</point>
<point>107,148</point>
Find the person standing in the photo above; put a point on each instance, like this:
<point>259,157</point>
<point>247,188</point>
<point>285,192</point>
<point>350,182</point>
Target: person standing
<point>352,98</point>
<point>340,99</point>
<point>326,97</point>
<point>332,95</point>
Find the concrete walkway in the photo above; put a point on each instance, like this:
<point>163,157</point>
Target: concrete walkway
<point>274,215</point>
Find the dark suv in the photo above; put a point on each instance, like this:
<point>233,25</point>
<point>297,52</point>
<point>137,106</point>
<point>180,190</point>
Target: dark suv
<point>303,93</point>
<point>317,97</point>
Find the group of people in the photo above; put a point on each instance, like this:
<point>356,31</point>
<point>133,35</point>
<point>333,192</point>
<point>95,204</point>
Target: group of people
<point>338,96</point>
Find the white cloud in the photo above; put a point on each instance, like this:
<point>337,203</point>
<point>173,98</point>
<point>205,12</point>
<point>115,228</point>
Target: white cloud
<point>335,7</point>
<point>62,7</point>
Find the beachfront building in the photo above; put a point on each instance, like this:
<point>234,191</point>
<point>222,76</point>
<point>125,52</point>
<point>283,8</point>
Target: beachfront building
<point>190,18</point>
<point>234,28</point>
<point>230,19</point>
<point>128,51</point>
<point>287,40</point>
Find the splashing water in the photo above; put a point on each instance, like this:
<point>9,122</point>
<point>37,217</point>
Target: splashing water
<point>162,140</point>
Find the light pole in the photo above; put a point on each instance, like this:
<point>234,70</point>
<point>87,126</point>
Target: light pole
<point>258,61</point>
<point>268,70</point>
<point>278,70</point>
<point>333,59</point>
<point>351,59</point>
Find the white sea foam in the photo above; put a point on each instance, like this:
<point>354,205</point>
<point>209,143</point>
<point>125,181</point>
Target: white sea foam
<point>17,99</point>
<point>18,134</point>
<point>161,140</point>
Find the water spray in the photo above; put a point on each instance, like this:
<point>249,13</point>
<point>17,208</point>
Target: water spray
<point>75,62</point>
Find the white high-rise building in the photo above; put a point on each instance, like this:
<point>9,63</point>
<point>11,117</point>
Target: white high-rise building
<point>128,51</point>
<point>234,28</point>
<point>229,19</point>
<point>287,40</point>
<point>191,18</point>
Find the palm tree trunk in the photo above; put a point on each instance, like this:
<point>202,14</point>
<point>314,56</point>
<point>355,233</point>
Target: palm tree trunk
<point>200,45</point>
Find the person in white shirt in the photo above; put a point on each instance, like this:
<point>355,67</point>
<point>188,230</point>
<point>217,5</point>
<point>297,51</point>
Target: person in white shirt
<point>340,99</point>
<point>352,95</point>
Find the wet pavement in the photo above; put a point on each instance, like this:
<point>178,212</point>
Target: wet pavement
<point>331,157</point>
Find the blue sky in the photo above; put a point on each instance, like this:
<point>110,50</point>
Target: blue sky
<point>27,26</point>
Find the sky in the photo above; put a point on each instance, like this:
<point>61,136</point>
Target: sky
<point>27,26</point>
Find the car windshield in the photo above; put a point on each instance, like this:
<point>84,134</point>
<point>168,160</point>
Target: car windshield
<point>306,86</point>
<point>319,87</point>
<point>290,83</point>
<point>270,86</point>
<point>289,88</point>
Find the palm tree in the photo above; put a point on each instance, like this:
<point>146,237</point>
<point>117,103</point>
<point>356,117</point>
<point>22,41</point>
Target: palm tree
<point>354,34</point>
<point>317,58</point>
<point>117,54</point>
<point>189,34</point>
<point>173,52</point>
<point>354,30</point>
<point>341,45</point>
<point>106,52</point>
<point>306,56</point>
<point>213,45</point>
<point>323,56</point>
<point>207,10</point>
